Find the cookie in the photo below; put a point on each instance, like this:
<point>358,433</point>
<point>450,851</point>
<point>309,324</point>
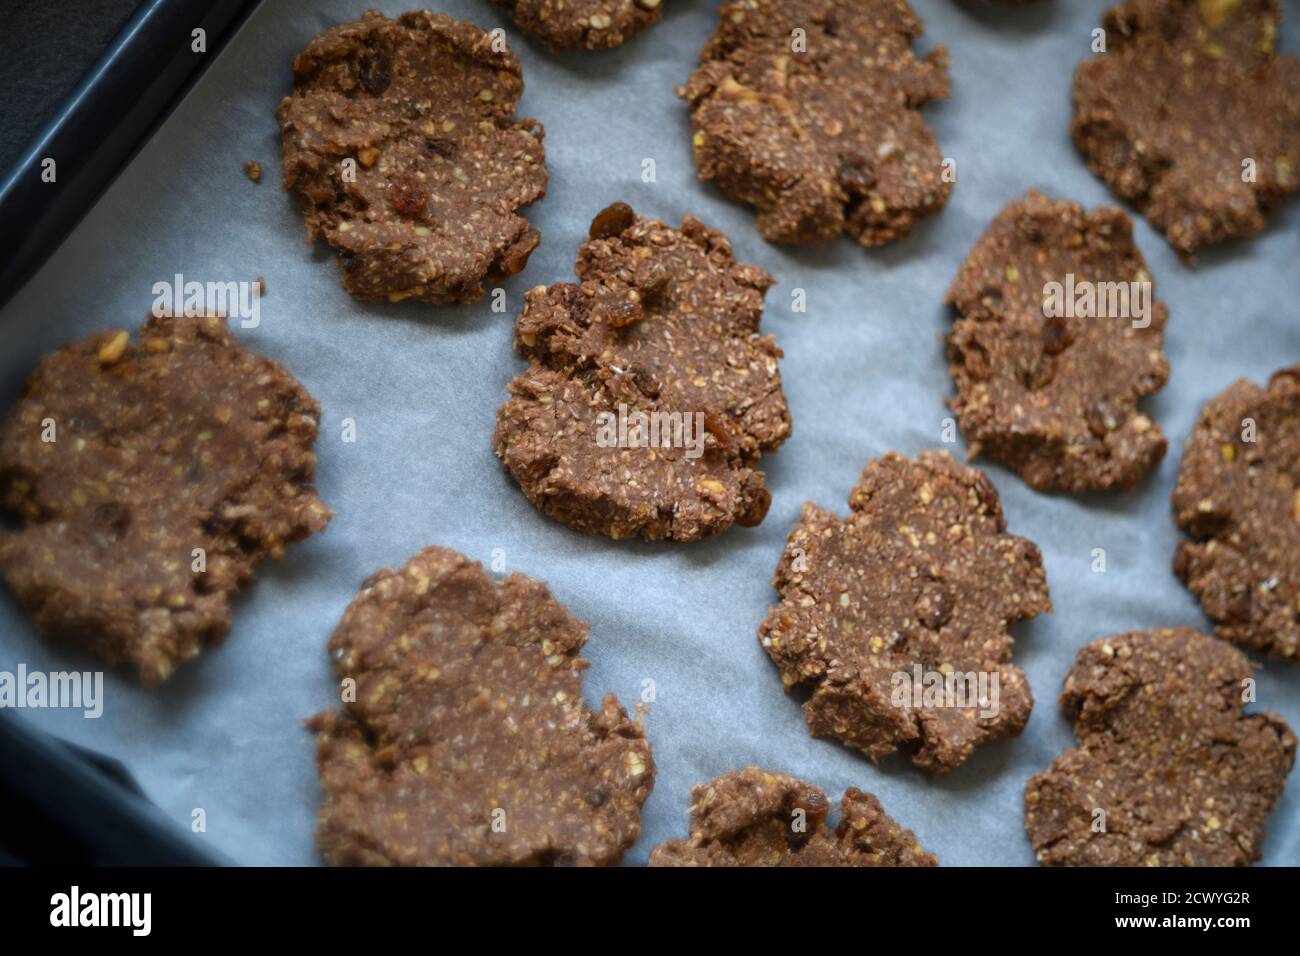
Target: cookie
<point>808,110</point>
<point>1057,338</point>
<point>751,817</point>
<point>1238,496</point>
<point>583,24</point>
<point>650,394</point>
<point>1191,116</point>
<point>1169,771</point>
<point>895,619</point>
<point>466,741</point>
<point>399,141</point>
<point>149,479</point>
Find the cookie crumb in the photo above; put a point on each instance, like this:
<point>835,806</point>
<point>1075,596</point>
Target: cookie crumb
<point>896,619</point>
<point>1238,496</point>
<point>566,25</point>
<point>1168,770</point>
<point>809,110</point>
<point>1058,337</point>
<point>650,393</point>
<point>1192,116</point>
<point>177,466</point>
<point>467,742</point>
<point>754,817</point>
<point>401,142</point>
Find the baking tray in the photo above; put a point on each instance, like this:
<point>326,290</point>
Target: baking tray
<point>141,74</point>
<point>60,804</point>
<point>864,372</point>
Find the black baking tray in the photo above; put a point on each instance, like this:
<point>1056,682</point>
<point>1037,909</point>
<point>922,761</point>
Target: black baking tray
<point>115,108</point>
<point>60,804</point>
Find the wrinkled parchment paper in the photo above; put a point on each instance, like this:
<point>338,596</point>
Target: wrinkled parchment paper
<point>864,371</point>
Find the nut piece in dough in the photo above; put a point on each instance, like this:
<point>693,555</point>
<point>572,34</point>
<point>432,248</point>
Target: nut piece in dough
<point>399,141</point>
<point>1238,496</point>
<point>1192,116</point>
<point>467,742</point>
<point>584,24</point>
<point>150,479</point>
<point>896,617</point>
<point>752,817</point>
<point>1057,339</point>
<point>809,110</point>
<point>1168,771</point>
<point>650,394</point>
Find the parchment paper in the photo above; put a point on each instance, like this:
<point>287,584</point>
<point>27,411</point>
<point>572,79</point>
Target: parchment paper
<point>864,371</point>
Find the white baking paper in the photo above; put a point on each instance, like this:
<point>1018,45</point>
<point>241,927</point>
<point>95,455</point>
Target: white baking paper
<point>864,371</point>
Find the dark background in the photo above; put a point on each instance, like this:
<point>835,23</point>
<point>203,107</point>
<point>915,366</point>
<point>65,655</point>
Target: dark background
<point>46,47</point>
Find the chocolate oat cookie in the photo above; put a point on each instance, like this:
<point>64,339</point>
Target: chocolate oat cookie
<point>896,617</point>
<point>1238,496</point>
<point>584,24</point>
<point>1191,116</point>
<point>808,110</point>
<point>399,141</point>
<point>1057,338</point>
<point>466,741</point>
<point>1168,771</point>
<point>150,479</point>
<point>751,817</point>
<point>649,394</point>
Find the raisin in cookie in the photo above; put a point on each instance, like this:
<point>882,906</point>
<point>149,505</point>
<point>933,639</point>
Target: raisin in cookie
<point>896,618</point>
<point>150,478</point>
<point>399,141</point>
<point>1058,337</point>
<point>808,110</point>
<point>466,741</point>
<point>650,394</point>
<point>1168,770</point>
